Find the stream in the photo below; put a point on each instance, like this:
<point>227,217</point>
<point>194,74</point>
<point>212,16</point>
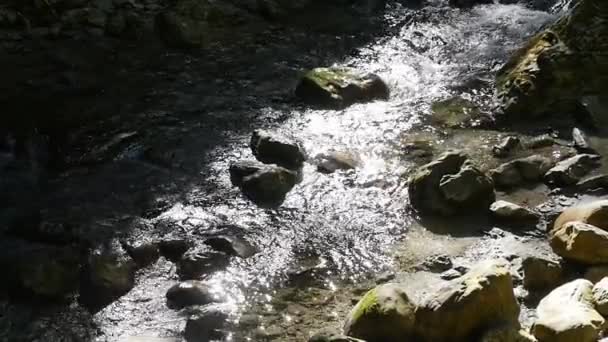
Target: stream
<point>167,177</point>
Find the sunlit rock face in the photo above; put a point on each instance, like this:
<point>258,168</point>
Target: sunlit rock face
<point>561,64</point>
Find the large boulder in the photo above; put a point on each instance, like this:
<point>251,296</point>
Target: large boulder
<point>450,185</point>
<point>594,213</point>
<point>580,242</point>
<point>385,313</point>
<point>480,299</point>
<point>564,62</point>
<point>571,170</point>
<point>521,171</point>
<point>567,314</point>
<point>265,185</point>
<point>340,87</point>
<point>274,148</point>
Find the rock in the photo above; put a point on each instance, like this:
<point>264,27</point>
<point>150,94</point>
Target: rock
<point>594,213</point>
<point>174,249</point>
<point>232,245</point>
<point>108,274</point>
<point>189,293</point>
<point>596,273</point>
<point>340,87</point>
<point>506,146</point>
<point>567,314</point>
<point>481,298</point>
<point>197,263</point>
<point>49,272</point>
<point>454,112</point>
<point>384,313</point>
<point>144,253</point>
<point>513,213</point>
<point>333,161</point>
<point>206,325</point>
<point>571,170</point>
<point>331,336</point>
<point>274,148</point>
<point>560,64</point>
<point>265,185</point>
<point>600,296</point>
<point>580,242</point>
<point>448,186</point>
<point>507,334</point>
<point>519,171</point>
<point>581,142</point>
<point>599,182</point>
<point>436,263</point>
<point>541,274</point>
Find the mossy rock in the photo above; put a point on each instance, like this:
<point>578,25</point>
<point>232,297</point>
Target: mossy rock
<point>561,64</point>
<point>340,87</point>
<point>454,112</point>
<point>385,313</point>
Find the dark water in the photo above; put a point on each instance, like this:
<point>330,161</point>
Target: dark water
<point>332,229</point>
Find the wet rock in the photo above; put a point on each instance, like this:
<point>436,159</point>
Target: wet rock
<point>206,325</point>
<point>436,263</point>
<point>454,112</point>
<point>541,274</point>
<point>340,87</point>
<point>174,249</point>
<point>144,253</point>
<point>571,170</point>
<point>197,263</point>
<point>513,213</point>
<point>49,272</point>
<point>520,171</point>
<point>232,245</point>
<point>275,148</point>
<point>600,296</point>
<point>265,185</point>
<point>108,274</point>
<point>596,273</point>
<point>594,213</point>
<point>507,146</point>
<point>448,186</point>
<point>384,313</point>
<point>599,182</point>
<point>581,141</point>
<point>568,314</point>
<point>507,334</point>
<point>334,161</point>
<point>189,293</point>
<point>481,298</point>
<point>580,242</point>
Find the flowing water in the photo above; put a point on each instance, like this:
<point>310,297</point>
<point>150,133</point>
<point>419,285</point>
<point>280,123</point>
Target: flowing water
<point>333,230</point>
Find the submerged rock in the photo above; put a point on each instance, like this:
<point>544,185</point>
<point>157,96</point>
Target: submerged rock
<point>480,299</point>
<point>448,185</point>
<point>509,212</point>
<point>207,324</point>
<point>600,296</point>
<point>571,170</point>
<point>334,161</point>
<point>265,185</point>
<point>197,263</point>
<point>340,87</point>
<point>232,245</point>
<point>189,293</point>
<point>541,274</point>
<point>454,112</point>
<point>385,313</point>
<point>567,314</point>
<point>520,171</point>
<point>274,148</point>
<point>108,274</point>
<point>580,242</point>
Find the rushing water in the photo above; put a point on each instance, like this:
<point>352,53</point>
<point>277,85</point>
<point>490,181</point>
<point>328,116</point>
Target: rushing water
<point>339,228</point>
